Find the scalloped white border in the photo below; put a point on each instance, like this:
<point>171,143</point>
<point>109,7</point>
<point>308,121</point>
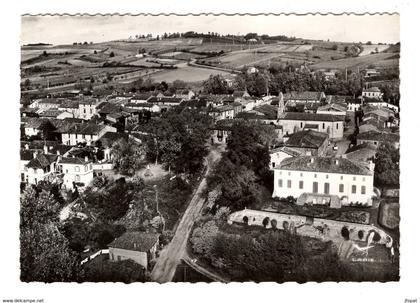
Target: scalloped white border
<point>236,292</point>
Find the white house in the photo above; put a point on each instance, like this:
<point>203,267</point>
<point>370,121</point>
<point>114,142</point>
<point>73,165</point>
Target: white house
<point>41,168</point>
<point>76,171</point>
<point>140,247</point>
<point>372,92</point>
<point>323,179</point>
<point>279,154</point>
<point>222,112</point>
<point>85,133</point>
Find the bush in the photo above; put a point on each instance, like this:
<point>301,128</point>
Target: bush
<point>274,224</point>
<point>266,221</point>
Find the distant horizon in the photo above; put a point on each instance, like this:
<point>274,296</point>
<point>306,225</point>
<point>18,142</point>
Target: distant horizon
<point>65,30</point>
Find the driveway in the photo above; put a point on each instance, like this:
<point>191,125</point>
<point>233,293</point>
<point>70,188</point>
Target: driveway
<point>170,257</point>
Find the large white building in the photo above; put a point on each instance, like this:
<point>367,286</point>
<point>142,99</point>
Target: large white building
<point>324,179</point>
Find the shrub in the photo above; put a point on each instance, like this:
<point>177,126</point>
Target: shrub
<point>274,224</point>
<point>266,221</point>
<point>345,233</point>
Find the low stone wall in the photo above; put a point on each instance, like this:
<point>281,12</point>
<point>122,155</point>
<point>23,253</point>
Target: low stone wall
<point>324,229</point>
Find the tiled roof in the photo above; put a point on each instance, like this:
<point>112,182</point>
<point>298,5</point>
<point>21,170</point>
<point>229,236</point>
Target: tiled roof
<point>372,90</point>
<point>336,106</point>
<point>303,96</point>
<point>324,164</point>
<point>42,161</point>
<point>138,241</point>
<point>310,117</point>
<point>269,111</point>
<point>144,96</point>
<point>306,139</point>
<point>378,136</point>
<point>165,100</point>
<point>75,160</point>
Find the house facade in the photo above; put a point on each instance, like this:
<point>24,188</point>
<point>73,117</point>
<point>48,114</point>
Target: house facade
<point>137,246</point>
<point>372,92</point>
<point>324,177</point>
<point>41,168</point>
<point>292,122</point>
<point>76,172</point>
<point>85,133</point>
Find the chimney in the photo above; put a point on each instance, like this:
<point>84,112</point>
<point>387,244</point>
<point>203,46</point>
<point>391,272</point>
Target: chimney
<point>58,152</point>
<point>336,161</point>
<point>312,160</point>
<point>26,146</point>
<point>86,159</point>
<point>35,153</point>
<point>50,147</point>
<point>45,149</point>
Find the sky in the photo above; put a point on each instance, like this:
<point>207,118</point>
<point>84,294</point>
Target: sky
<point>342,28</point>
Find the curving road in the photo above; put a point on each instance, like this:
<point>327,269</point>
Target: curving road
<point>170,257</point>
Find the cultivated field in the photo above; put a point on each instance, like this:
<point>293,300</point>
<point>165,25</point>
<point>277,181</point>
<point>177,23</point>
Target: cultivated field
<point>186,73</point>
<point>381,60</point>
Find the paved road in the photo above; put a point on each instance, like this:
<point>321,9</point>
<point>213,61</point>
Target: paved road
<point>171,256</point>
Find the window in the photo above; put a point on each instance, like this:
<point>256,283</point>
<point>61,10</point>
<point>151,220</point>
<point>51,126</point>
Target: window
<point>274,164</point>
<point>363,179</point>
<point>77,168</point>
<point>119,258</point>
<point>353,189</point>
<point>341,177</point>
<point>326,188</point>
<point>323,125</point>
<point>288,173</point>
<point>86,168</point>
<point>326,176</point>
<point>336,126</point>
<point>90,166</point>
<point>289,183</point>
<point>315,175</point>
<point>301,174</point>
<point>300,184</point>
<point>77,178</point>
<point>341,188</point>
<point>280,183</point>
<point>354,178</point>
<point>363,190</point>
<point>315,187</point>
<point>301,124</point>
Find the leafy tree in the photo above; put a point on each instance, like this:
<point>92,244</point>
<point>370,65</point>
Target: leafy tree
<point>44,252</point>
<point>127,156</point>
<point>387,168</point>
<point>203,238</point>
<point>215,84</point>
<point>126,271</point>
